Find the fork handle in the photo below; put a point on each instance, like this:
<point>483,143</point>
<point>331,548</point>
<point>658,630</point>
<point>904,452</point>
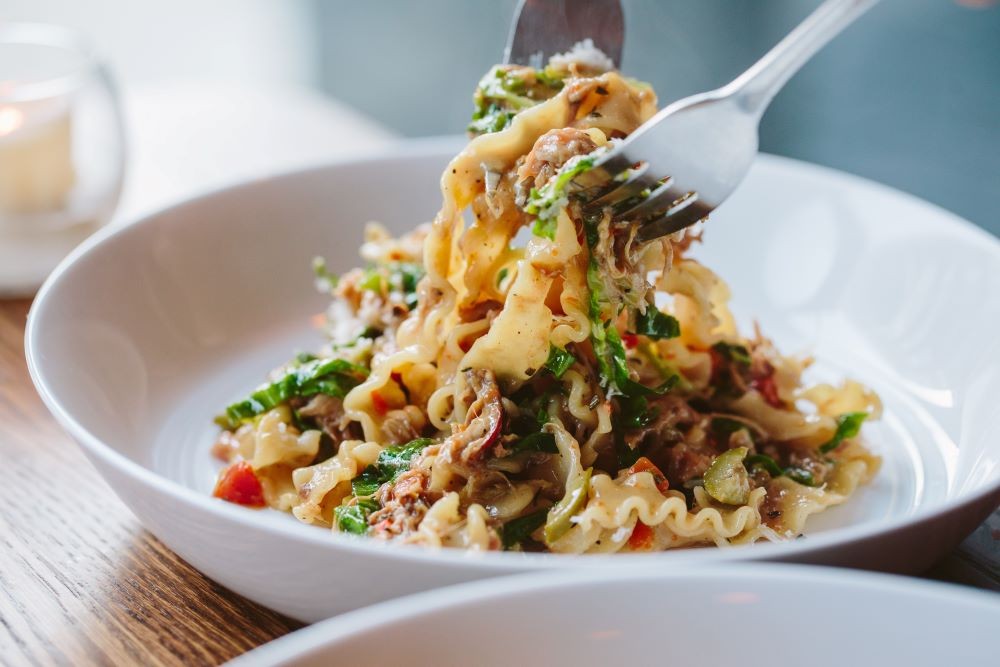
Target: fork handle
<point>754,89</point>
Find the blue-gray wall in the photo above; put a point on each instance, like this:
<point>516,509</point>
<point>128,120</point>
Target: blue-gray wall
<point>909,96</point>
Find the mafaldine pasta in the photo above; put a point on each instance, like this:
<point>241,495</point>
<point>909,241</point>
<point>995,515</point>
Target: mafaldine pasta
<point>522,375</point>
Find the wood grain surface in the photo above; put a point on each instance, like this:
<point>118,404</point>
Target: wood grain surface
<point>81,582</point>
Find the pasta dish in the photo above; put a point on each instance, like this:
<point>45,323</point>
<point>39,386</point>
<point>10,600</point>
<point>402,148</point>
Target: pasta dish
<point>520,375</point>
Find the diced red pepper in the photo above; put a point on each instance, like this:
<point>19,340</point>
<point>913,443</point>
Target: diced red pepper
<point>641,538</point>
<point>239,484</point>
<point>768,389</point>
<point>645,465</point>
<point>630,340</point>
<point>379,403</point>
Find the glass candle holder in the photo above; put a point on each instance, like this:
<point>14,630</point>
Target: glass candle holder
<point>62,149</point>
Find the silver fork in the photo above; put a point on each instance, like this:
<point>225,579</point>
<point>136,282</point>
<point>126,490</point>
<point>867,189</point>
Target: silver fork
<point>543,28</point>
<point>686,160</point>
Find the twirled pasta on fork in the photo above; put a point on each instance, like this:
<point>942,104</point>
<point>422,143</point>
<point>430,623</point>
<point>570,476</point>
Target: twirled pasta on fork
<point>574,392</point>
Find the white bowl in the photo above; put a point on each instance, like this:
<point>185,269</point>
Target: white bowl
<point>750,615</point>
<point>143,334</point>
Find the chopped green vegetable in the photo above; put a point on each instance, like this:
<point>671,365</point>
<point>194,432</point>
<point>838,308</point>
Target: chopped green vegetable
<point>848,426</point>
<point>334,377</point>
<point>726,479</point>
<point>543,415</point>
<point>735,353</point>
<point>558,521</point>
<point>499,97</point>
<point>401,277</point>
<point>492,119</point>
<point>371,280</point>
<point>500,85</point>
<point>550,77</point>
<point>545,227</point>
<point>517,530</point>
<point>391,463</point>
<point>354,518</point>
<point>656,324</point>
<point>559,360</point>
<point>404,276</point>
<point>547,201</point>
<point>325,281</point>
<point>534,442</point>
<point>501,275</point>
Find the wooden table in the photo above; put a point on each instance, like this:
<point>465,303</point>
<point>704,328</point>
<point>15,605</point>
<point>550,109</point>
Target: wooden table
<point>81,582</point>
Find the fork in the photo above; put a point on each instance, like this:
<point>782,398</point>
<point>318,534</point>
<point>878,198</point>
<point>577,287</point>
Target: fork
<point>543,28</point>
<point>686,160</point>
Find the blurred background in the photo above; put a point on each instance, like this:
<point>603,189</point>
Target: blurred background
<point>910,96</point>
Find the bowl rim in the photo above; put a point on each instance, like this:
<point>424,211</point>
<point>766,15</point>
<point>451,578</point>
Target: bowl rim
<point>327,634</point>
<point>500,562</point>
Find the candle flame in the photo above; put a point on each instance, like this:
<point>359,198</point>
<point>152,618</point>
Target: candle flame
<point>10,120</point>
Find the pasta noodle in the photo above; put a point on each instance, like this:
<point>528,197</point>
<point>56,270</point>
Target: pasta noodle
<point>483,391</point>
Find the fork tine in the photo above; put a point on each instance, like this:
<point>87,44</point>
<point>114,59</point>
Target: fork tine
<point>620,192</point>
<point>674,220</point>
<point>660,201</point>
<point>601,177</point>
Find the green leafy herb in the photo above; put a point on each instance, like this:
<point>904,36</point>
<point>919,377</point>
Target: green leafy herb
<point>612,363</point>
<point>656,324</point>
<point>635,412</point>
<point>354,518</point>
<point>543,414</point>
<point>735,353</point>
<point>404,277</point>
<point>771,467</point>
<point>492,119</point>
<point>334,377</point>
<point>800,475</point>
<point>501,275</point>
<point>501,94</point>
<point>517,530</point>
<point>501,85</point>
<point>391,463</point>
<point>848,426</point>
<point>546,201</point>
<point>545,227</point>
<point>534,442</point>
<point>765,463</point>
<point>401,277</point>
<point>559,361</point>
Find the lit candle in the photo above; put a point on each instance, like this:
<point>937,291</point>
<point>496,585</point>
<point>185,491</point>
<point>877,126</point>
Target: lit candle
<point>36,156</point>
